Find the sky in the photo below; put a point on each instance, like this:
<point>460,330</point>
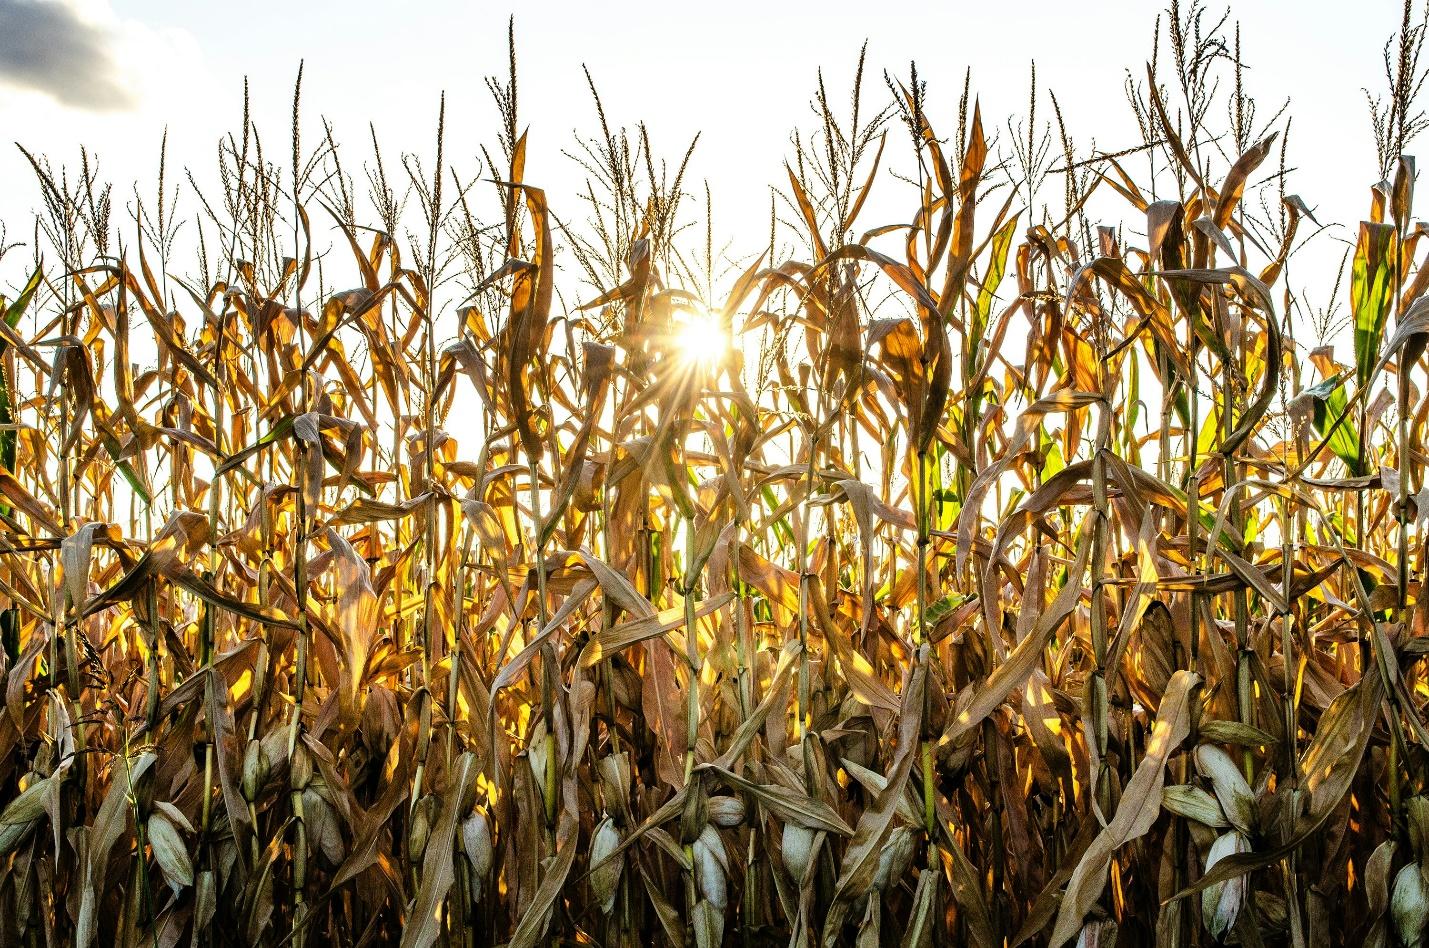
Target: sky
<point>112,74</point>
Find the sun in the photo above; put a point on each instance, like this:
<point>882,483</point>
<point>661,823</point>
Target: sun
<point>700,338</point>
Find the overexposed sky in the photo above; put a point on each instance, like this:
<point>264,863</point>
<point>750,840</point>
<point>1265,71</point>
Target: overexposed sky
<point>740,72</point>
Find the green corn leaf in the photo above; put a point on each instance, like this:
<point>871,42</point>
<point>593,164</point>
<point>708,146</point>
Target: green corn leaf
<point>8,439</point>
<point>1372,292</point>
<point>15,310</point>
<point>1331,403</point>
<point>996,269</point>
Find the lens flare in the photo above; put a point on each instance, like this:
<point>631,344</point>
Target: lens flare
<point>699,337</point>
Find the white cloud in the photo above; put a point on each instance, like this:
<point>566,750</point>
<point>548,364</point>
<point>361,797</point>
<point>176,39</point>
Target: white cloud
<point>51,47</point>
<point>82,55</point>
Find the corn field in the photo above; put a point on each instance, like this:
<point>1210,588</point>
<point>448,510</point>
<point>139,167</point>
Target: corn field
<point>389,556</point>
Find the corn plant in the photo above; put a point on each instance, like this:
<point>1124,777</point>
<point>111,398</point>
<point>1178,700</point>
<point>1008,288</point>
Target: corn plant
<point>395,556</point>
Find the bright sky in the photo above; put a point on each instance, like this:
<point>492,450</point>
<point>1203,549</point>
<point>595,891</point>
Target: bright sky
<point>741,72</point>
